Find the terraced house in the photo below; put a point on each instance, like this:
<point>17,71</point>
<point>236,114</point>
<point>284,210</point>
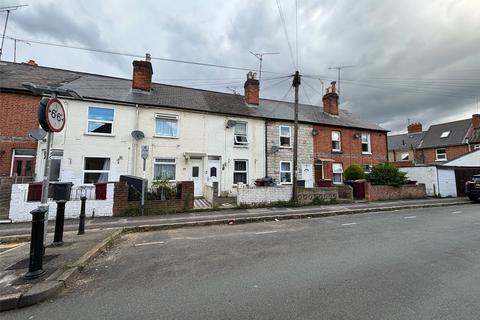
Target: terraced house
<point>191,134</point>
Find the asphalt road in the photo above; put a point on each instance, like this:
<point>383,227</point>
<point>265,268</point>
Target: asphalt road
<point>422,264</point>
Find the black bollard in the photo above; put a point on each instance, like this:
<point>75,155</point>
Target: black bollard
<point>36,244</point>
<point>81,225</point>
<point>59,221</point>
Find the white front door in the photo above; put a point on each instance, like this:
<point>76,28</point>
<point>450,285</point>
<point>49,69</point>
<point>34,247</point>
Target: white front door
<point>196,173</point>
<point>213,173</point>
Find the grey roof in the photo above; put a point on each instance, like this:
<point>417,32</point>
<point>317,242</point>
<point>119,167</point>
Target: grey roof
<point>99,87</point>
<point>405,141</point>
<point>458,131</point>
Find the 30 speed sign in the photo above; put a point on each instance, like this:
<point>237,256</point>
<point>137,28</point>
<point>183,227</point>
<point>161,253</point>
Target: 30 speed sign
<point>51,115</point>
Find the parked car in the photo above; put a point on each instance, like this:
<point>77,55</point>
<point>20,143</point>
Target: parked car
<point>472,188</point>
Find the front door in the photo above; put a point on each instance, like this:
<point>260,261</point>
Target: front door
<point>213,173</point>
<point>196,173</point>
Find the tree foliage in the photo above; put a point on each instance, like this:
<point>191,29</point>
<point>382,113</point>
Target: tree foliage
<point>354,172</point>
<point>386,174</point>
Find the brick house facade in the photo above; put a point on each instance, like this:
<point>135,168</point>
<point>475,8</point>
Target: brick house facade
<point>17,150</point>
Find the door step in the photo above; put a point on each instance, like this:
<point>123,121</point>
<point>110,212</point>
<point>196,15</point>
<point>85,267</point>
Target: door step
<point>201,203</point>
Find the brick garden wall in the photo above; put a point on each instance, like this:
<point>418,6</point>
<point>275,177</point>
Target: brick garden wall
<point>382,192</point>
<point>121,203</point>
<point>19,112</point>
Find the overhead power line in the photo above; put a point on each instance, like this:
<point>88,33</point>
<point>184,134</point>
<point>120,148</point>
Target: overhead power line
<point>133,55</point>
<point>282,18</point>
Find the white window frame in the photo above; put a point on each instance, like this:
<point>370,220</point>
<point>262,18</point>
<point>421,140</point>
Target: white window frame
<point>443,158</point>
<point>57,157</point>
<point>334,173</point>
<point>368,143</point>
<point>95,171</point>
<point>102,121</point>
<point>236,136</point>
<point>404,155</point>
<point>476,147</point>
<point>282,171</point>
<point>339,149</point>
<point>367,168</point>
<point>157,160</point>
<point>240,171</point>
<point>167,117</point>
<point>22,156</point>
<point>280,136</point>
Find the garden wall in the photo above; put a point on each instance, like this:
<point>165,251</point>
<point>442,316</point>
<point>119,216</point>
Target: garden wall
<point>265,195</point>
<point>211,195</point>
<point>383,192</point>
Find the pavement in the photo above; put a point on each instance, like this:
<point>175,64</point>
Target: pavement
<point>60,263</point>
<point>405,264</point>
<point>21,231</point>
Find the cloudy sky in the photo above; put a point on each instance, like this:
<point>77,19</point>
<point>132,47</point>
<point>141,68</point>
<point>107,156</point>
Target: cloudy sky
<point>417,60</point>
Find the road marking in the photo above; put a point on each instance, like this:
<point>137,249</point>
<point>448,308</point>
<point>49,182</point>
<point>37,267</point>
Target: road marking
<point>15,247</point>
<point>410,217</point>
<point>148,243</point>
<point>265,232</point>
<point>456,212</point>
<point>349,224</point>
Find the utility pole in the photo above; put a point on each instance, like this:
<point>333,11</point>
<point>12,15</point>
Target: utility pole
<point>296,85</point>
<point>259,56</point>
<point>7,10</point>
<point>339,69</point>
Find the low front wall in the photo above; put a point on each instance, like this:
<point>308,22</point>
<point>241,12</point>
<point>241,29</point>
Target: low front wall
<point>383,192</point>
<point>20,208</point>
<point>211,195</point>
<point>312,195</point>
<point>345,192</point>
<point>256,195</point>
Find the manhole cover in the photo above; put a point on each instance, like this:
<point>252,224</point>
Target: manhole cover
<point>23,264</point>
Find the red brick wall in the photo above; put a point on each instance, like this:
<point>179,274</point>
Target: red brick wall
<point>351,148</point>
<point>19,114</point>
<point>429,155</point>
<point>382,192</point>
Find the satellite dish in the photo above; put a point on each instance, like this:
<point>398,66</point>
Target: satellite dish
<point>37,134</point>
<point>231,123</point>
<point>138,135</point>
<point>275,149</point>
<point>314,132</point>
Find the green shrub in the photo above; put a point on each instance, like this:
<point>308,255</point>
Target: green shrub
<point>386,174</point>
<point>354,172</point>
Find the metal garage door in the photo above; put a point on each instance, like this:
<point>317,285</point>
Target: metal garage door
<point>447,186</point>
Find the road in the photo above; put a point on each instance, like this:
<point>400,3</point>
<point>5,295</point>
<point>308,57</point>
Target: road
<point>405,264</point>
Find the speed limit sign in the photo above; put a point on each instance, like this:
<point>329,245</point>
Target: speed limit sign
<point>51,115</point>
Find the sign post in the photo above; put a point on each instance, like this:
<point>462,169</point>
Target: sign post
<point>51,117</point>
<point>144,157</point>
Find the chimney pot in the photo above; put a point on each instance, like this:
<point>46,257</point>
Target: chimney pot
<point>476,121</point>
<point>252,89</point>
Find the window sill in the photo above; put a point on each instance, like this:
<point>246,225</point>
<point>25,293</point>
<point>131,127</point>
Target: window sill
<point>285,147</point>
<point>165,137</point>
<point>99,134</point>
<point>285,183</point>
<point>240,146</point>
<point>367,153</point>
<point>441,160</point>
<point>337,151</point>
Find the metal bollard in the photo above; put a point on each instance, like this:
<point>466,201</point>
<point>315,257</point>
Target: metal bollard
<point>81,225</point>
<point>59,222</point>
<point>36,244</point>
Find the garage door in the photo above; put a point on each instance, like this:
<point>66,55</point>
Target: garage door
<point>447,187</point>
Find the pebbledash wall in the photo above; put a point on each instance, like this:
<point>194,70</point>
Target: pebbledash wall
<point>265,195</point>
<point>305,148</point>
<point>20,208</point>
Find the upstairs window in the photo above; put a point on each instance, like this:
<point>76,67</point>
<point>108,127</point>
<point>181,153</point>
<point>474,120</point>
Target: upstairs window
<point>441,154</point>
<point>166,126</point>
<point>240,134</point>
<point>445,134</point>
<point>336,141</point>
<point>100,120</point>
<point>285,136</point>
<point>366,145</point>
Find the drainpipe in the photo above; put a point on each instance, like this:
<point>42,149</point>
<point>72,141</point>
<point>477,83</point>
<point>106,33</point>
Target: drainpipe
<point>134,143</point>
<point>469,147</point>
<point>266,149</point>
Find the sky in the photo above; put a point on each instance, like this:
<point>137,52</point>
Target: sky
<point>410,60</point>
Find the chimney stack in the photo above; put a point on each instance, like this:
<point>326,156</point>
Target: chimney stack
<point>415,127</point>
<point>252,89</point>
<point>142,74</point>
<point>330,99</point>
<point>476,121</point>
